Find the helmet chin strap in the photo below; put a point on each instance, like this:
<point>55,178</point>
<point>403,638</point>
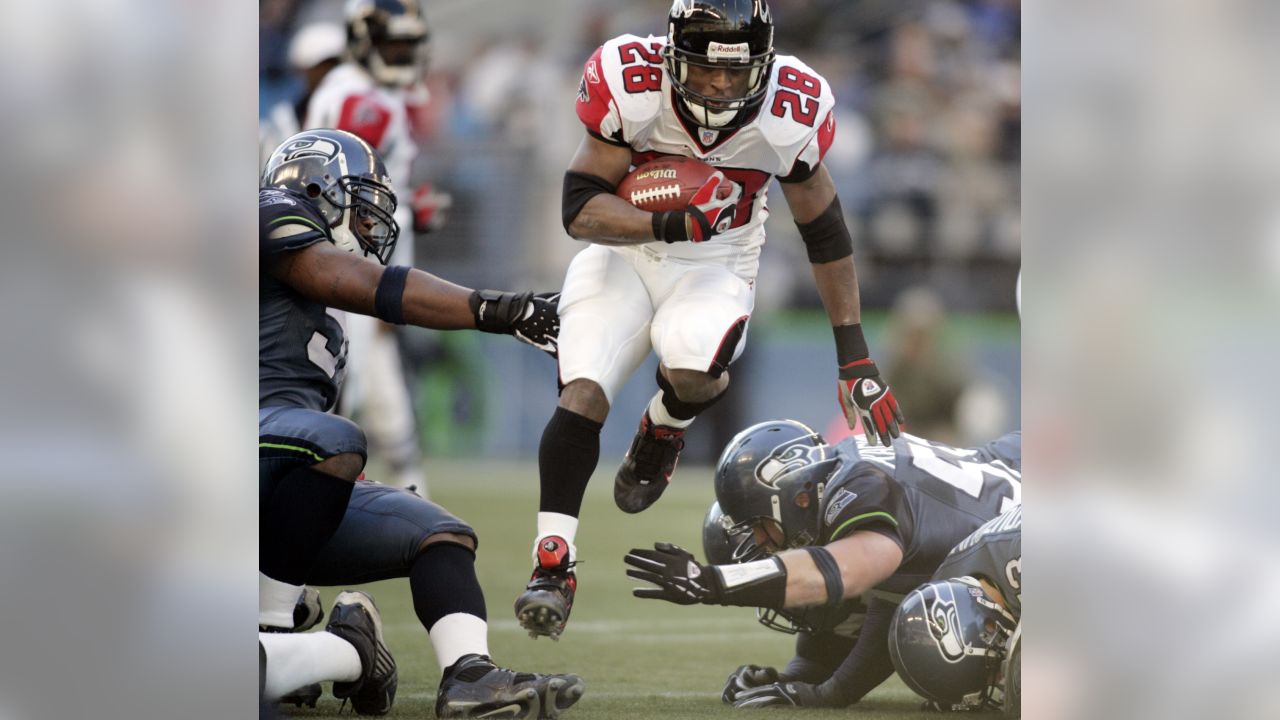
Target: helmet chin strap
<point>713,119</point>
<point>344,238</point>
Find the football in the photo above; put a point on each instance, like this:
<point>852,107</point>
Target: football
<point>667,183</point>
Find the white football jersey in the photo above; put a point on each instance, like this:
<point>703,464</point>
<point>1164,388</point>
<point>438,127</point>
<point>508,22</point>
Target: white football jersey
<point>349,99</point>
<point>626,98</point>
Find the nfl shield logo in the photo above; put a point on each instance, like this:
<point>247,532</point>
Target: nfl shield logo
<point>709,136</point>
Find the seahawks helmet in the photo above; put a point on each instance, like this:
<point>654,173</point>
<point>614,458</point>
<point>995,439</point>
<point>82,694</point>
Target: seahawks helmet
<point>770,480</point>
<point>733,34</point>
<point>388,38</point>
<point>948,641</point>
<point>723,542</point>
<point>347,181</point>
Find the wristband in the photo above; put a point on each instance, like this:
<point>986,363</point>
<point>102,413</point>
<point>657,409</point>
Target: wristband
<point>669,226</point>
<point>389,298</point>
<point>762,583</point>
<point>850,343</point>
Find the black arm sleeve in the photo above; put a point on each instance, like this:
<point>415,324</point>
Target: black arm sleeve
<point>817,656</point>
<point>579,188</point>
<point>868,664</point>
<point>826,237</point>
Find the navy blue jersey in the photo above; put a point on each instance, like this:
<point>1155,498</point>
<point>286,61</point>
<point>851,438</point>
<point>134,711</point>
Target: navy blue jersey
<point>924,495</point>
<point>993,553</point>
<point>302,350</point>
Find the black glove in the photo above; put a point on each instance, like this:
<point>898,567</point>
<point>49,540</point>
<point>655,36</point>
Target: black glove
<point>540,324</point>
<point>787,694</point>
<point>680,578</point>
<point>745,678</point>
<point>530,318</point>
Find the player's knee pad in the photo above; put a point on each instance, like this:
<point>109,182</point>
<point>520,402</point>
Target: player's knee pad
<point>680,409</point>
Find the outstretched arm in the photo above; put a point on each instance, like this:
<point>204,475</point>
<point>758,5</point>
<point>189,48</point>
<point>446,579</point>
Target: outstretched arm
<point>341,280</point>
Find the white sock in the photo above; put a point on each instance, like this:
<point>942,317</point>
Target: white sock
<point>458,634</point>
<point>298,660</point>
<point>275,602</point>
<point>659,415</point>
<point>549,523</point>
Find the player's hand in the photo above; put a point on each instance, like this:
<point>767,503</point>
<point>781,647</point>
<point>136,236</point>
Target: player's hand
<point>680,578</point>
<point>539,324</point>
<point>708,214</point>
<point>430,208</point>
<point>786,694</point>
<point>863,394</point>
<point>745,678</point>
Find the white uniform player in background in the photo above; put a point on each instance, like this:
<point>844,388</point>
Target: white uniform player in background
<point>369,95</point>
<point>682,283</point>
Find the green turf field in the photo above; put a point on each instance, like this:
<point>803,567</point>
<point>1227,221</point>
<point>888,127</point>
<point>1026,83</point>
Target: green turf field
<point>640,658</point>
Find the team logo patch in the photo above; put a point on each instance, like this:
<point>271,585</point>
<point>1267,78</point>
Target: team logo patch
<point>870,387</point>
<point>709,136</point>
<point>788,457</point>
<point>583,95</point>
<point>592,74</point>
<point>842,498</point>
<point>310,146</point>
<point>693,570</point>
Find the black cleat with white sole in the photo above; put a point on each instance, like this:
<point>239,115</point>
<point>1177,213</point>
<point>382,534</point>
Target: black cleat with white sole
<point>355,618</point>
<point>473,687</point>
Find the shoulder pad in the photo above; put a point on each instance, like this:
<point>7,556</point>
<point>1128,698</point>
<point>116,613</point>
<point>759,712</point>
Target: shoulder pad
<point>798,118</point>
<point>288,221</point>
<point>863,495</point>
<point>621,87</point>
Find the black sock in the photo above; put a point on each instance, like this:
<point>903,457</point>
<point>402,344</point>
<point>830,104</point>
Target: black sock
<point>443,581</point>
<point>300,516</point>
<point>567,456</point>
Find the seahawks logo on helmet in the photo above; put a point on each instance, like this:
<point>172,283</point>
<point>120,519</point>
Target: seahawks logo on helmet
<point>944,628</point>
<point>310,146</point>
<point>787,457</point>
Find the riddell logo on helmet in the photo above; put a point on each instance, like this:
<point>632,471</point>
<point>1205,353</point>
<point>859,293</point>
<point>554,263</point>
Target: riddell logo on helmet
<point>728,51</point>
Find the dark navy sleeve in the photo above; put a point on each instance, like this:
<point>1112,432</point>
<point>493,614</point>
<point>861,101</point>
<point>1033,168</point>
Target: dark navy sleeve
<point>866,499</point>
<point>287,221</point>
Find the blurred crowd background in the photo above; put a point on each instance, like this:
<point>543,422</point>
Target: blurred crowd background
<point>926,162</point>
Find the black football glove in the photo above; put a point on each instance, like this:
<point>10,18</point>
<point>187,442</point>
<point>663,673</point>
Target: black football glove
<point>863,394</point>
<point>745,678</point>
<point>786,694</point>
<point>680,578</point>
<point>530,318</point>
<point>539,326</point>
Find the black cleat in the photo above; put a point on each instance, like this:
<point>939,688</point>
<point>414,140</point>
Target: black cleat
<point>355,618</point>
<point>647,469</point>
<point>474,687</point>
<point>543,608</point>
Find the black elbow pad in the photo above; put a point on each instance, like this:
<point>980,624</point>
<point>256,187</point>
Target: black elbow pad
<point>826,237</point>
<point>579,188</point>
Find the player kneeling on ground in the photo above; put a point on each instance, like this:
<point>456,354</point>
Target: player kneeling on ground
<point>812,527</point>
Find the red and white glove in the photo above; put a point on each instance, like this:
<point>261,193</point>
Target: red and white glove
<point>430,208</point>
<point>711,211</point>
<point>863,394</point>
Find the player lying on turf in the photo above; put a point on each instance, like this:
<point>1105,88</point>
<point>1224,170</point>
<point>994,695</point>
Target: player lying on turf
<point>682,281</point>
<point>956,640</point>
<point>814,527</point>
<point>325,201</point>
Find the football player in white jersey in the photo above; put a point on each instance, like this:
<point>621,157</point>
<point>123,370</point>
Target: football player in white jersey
<point>682,283</point>
<point>368,95</point>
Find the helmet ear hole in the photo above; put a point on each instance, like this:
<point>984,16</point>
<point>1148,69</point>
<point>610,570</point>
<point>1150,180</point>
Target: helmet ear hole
<point>313,190</point>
